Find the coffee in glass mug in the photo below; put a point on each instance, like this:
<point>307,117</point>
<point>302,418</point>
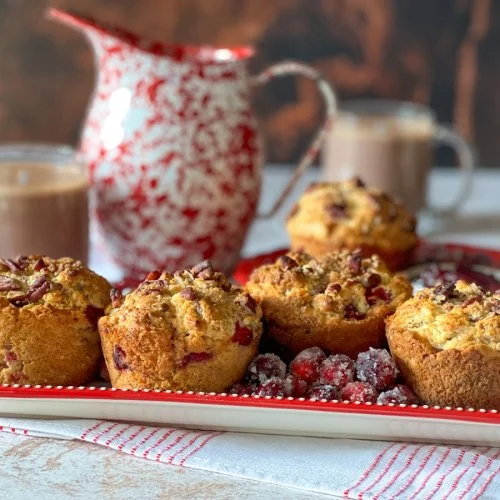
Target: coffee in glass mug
<point>389,145</point>
<point>43,202</point>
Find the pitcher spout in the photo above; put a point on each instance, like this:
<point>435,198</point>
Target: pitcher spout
<point>201,54</point>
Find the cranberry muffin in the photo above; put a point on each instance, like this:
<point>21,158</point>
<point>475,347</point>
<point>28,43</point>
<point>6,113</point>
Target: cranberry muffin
<point>332,216</point>
<point>190,331</point>
<point>338,302</point>
<point>446,341</point>
<point>49,310</point>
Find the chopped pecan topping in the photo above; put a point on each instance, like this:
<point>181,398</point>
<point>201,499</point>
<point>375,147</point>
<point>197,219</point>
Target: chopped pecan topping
<point>287,262</point>
<point>444,291</point>
<point>358,182</point>
<point>35,292</point>
<point>247,301</point>
<point>373,295</point>
<point>354,262</point>
<point>336,210</point>
<point>39,265</point>
<point>116,297</point>
<point>9,284</point>
<point>189,293</point>
<point>333,287</point>
<point>471,300</point>
<point>204,270</point>
<point>10,264</point>
<point>22,262</point>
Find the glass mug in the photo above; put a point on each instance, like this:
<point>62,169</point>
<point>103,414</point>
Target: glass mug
<point>43,202</point>
<point>388,144</point>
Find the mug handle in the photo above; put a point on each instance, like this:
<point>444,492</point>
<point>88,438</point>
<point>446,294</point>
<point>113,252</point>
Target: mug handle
<point>446,135</point>
<point>330,100</point>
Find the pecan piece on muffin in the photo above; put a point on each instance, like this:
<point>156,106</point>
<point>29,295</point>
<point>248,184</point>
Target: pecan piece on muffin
<point>338,302</point>
<point>446,341</point>
<point>191,330</point>
<point>337,215</point>
<point>48,321</point>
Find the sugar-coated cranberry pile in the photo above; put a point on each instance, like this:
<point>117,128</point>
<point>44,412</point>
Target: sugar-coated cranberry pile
<point>372,378</point>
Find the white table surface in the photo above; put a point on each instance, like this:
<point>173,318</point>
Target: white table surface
<point>52,469</point>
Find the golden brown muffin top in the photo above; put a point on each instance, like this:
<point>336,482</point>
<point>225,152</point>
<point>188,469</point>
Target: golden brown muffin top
<point>27,282</point>
<point>341,284</point>
<point>453,316</point>
<point>199,304</point>
<point>343,211</point>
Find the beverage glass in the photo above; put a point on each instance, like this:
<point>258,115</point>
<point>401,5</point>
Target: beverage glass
<point>389,145</point>
<point>43,202</point>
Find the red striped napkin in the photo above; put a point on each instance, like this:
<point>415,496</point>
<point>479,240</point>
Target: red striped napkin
<point>342,467</point>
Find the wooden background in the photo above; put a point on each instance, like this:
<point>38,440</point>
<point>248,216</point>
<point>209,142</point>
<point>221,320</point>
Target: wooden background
<point>445,53</point>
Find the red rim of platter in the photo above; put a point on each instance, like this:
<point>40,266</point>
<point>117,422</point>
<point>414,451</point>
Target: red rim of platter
<point>479,415</point>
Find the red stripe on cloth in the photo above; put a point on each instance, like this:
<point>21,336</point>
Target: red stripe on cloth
<point>105,431</point>
<point>157,443</point>
<point>143,440</point>
<point>14,430</point>
<point>450,470</point>
<point>199,447</point>
<point>486,483</point>
<point>457,480</point>
<point>409,460</point>
<point>418,470</point>
<point>477,475</point>
<point>385,470</point>
<point>130,438</point>
<point>427,478</point>
<point>175,442</point>
<point>117,435</point>
<point>171,458</point>
<point>91,429</point>
<point>370,469</point>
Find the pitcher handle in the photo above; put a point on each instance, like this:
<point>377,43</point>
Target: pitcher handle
<point>330,100</point>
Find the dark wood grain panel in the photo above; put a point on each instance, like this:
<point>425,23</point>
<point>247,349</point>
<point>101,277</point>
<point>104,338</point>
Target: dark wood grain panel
<point>442,53</point>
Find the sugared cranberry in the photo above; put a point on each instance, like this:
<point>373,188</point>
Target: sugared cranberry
<point>119,358</point>
<point>242,335</point>
<point>295,386</point>
<point>351,312</point>
<point>399,394</point>
<point>266,366</point>
<point>359,391</point>
<point>272,387</point>
<point>337,370</point>
<point>195,357</point>
<point>323,391</point>
<point>377,367</point>
<point>307,363</point>
<point>242,389</point>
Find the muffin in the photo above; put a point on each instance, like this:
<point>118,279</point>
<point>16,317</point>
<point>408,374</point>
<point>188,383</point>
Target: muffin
<point>446,341</point>
<point>190,331</point>
<point>338,302</point>
<point>337,215</point>
<point>49,310</point>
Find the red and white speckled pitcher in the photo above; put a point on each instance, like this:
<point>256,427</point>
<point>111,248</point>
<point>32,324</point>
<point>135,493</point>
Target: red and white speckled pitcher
<point>173,148</point>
